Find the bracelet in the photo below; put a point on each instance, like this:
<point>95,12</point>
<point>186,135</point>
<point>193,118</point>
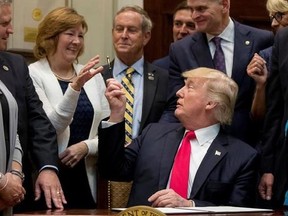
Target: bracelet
<point>4,184</point>
<point>18,173</point>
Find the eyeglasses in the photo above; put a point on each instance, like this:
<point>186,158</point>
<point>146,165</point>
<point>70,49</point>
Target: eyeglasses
<point>277,16</point>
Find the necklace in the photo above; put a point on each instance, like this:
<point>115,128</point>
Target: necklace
<point>64,78</point>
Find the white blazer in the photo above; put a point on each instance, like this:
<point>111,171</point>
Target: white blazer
<point>60,109</point>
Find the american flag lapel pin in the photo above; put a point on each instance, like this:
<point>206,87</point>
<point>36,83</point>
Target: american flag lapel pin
<point>218,153</point>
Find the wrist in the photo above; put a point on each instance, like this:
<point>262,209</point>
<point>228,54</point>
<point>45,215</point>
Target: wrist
<point>3,181</point>
<point>18,173</point>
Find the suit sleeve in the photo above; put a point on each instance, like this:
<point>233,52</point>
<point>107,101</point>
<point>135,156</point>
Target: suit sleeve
<point>42,134</point>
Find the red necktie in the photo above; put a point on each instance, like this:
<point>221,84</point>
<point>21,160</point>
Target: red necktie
<point>180,171</point>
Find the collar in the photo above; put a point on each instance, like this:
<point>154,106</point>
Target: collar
<point>206,134</point>
<point>119,66</point>
<point>227,34</point>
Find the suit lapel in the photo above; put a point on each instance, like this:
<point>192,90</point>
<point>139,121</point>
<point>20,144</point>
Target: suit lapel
<point>201,51</point>
<point>150,87</point>
<point>170,147</point>
<point>243,44</point>
<point>214,155</point>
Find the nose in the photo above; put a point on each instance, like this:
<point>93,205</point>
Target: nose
<point>274,23</point>
<point>179,93</point>
<point>183,29</point>
<point>10,29</point>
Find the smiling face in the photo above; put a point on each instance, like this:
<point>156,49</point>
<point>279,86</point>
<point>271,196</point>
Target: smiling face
<point>129,38</point>
<point>183,24</point>
<point>210,16</point>
<point>70,42</point>
<point>5,25</point>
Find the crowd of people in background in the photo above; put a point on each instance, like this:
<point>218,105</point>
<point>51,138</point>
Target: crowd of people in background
<point>205,125</point>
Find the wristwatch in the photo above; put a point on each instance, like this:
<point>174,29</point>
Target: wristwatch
<point>18,173</point>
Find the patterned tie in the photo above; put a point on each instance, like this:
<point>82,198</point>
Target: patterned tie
<point>129,92</point>
<point>219,58</point>
<point>180,171</point>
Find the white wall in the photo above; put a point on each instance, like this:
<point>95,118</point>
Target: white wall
<point>98,14</point>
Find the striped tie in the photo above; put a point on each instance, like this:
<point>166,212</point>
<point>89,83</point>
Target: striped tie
<point>129,92</point>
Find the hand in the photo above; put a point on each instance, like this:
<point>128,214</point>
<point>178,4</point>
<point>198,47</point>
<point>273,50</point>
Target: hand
<point>73,154</point>
<point>48,182</point>
<point>168,198</point>
<point>86,73</point>
<point>257,70</point>
<point>117,100</point>
<point>13,193</point>
<point>265,186</point>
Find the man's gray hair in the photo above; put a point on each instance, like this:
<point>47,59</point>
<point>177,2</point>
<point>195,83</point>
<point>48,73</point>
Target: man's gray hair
<point>5,2</point>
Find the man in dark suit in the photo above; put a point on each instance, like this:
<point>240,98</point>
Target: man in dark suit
<point>36,133</point>
<point>223,169</point>
<point>131,32</point>
<point>183,25</point>
<point>274,166</point>
<point>239,43</point>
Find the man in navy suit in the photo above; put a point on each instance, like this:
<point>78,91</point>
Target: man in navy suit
<point>183,25</point>
<point>36,133</point>
<point>223,169</point>
<point>239,43</point>
<point>131,32</point>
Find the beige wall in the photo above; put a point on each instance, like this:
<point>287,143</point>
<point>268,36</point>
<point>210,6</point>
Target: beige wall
<point>98,14</point>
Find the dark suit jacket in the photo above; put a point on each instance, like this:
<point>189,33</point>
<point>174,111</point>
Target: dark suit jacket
<point>36,133</point>
<point>228,178</point>
<point>155,92</point>
<point>275,145</point>
<point>162,62</point>
<point>193,51</point>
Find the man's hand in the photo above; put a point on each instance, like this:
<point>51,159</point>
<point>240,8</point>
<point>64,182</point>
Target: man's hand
<point>265,186</point>
<point>117,100</point>
<point>49,183</point>
<point>13,193</point>
<point>168,198</point>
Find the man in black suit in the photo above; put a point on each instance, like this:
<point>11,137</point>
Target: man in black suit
<point>239,43</point>
<point>36,133</point>
<point>274,146</point>
<point>131,32</point>
<point>223,169</point>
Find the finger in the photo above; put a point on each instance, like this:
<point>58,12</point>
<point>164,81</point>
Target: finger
<point>48,196</point>
<point>57,198</point>
<point>37,192</point>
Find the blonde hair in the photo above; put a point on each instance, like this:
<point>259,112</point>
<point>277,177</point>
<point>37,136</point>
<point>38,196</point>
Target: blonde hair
<point>56,22</point>
<point>221,89</point>
<point>274,6</point>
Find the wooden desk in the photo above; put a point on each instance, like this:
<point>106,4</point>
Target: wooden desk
<point>104,212</point>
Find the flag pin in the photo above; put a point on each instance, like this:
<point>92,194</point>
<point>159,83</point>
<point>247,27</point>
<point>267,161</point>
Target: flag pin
<point>218,153</point>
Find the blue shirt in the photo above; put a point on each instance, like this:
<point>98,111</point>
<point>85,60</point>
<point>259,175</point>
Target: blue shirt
<point>138,81</point>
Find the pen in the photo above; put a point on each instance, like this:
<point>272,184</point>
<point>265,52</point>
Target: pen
<point>108,62</point>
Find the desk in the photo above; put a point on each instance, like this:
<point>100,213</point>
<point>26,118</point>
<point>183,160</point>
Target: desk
<point>104,212</point>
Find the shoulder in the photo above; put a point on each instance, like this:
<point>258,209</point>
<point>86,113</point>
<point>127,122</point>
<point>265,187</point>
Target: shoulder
<point>162,62</point>
<point>160,129</point>
<point>151,67</point>
<point>12,57</point>
<point>253,30</point>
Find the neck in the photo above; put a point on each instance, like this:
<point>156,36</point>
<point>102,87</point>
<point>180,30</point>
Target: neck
<point>62,71</point>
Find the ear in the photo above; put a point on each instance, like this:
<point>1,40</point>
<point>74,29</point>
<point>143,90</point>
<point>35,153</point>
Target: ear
<point>226,5</point>
<point>211,105</point>
<point>147,36</point>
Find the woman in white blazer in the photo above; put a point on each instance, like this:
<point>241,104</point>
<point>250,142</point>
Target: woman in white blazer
<point>73,98</point>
